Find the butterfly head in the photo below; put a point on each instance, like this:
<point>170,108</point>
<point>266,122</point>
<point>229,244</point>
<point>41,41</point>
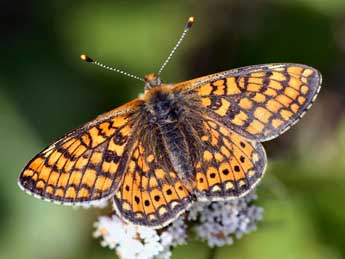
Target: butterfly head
<point>152,80</point>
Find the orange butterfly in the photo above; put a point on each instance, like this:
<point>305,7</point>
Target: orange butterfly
<point>195,140</point>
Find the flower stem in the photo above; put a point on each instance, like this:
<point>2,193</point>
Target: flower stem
<point>212,253</point>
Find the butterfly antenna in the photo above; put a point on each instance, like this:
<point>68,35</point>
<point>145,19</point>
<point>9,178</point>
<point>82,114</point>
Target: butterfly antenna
<point>87,59</point>
<point>186,29</point>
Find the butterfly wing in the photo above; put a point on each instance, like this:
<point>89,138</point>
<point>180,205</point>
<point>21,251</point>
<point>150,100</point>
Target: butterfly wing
<point>151,194</point>
<point>258,102</point>
<point>87,163</point>
<point>229,165</point>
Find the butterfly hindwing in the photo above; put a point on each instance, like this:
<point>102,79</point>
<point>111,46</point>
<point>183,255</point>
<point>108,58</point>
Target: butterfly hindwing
<point>229,165</point>
<point>258,102</point>
<point>152,193</point>
<point>84,165</point>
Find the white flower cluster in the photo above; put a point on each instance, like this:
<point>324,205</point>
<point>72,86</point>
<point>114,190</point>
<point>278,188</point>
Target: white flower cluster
<point>215,222</point>
<point>131,241</point>
<point>219,222</point>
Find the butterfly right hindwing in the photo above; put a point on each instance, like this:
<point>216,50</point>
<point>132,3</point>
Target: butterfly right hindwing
<point>229,165</point>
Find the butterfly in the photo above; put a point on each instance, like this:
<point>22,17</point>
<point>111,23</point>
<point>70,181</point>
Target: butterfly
<point>198,140</point>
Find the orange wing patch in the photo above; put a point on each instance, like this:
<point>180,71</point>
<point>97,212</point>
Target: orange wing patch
<point>151,193</point>
<point>230,166</point>
<point>85,165</point>
<point>258,102</point>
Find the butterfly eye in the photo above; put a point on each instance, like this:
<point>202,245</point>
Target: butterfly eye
<point>151,80</point>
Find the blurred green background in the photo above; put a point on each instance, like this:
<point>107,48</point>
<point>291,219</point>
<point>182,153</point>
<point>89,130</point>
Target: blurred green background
<point>45,91</point>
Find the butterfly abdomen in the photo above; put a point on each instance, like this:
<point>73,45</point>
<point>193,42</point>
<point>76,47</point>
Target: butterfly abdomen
<point>165,112</point>
<point>178,152</point>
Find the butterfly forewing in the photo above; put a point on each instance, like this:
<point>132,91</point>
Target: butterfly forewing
<point>258,102</point>
<point>86,164</point>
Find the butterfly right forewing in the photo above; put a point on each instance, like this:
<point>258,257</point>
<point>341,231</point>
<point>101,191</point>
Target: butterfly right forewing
<point>258,102</point>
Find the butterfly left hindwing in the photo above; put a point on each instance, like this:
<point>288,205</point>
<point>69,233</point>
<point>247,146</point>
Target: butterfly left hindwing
<point>152,192</point>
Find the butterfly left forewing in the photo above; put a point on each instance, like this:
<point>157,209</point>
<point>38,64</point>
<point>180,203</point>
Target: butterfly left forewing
<point>258,102</point>
<point>84,165</point>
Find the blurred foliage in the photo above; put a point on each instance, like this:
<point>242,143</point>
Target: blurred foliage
<point>45,91</point>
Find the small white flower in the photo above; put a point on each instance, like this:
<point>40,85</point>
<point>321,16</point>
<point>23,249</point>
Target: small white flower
<point>221,221</point>
<point>218,223</point>
<point>130,241</point>
<point>174,235</point>
<point>96,204</point>
<point>196,209</point>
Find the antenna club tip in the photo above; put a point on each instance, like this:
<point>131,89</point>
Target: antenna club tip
<point>190,22</point>
<point>86,58</point>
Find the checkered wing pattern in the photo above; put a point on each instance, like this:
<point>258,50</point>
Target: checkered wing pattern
<point>152,193</point>
<point>258,102</point>
<point>229,165</point>
<point>86,164</point>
